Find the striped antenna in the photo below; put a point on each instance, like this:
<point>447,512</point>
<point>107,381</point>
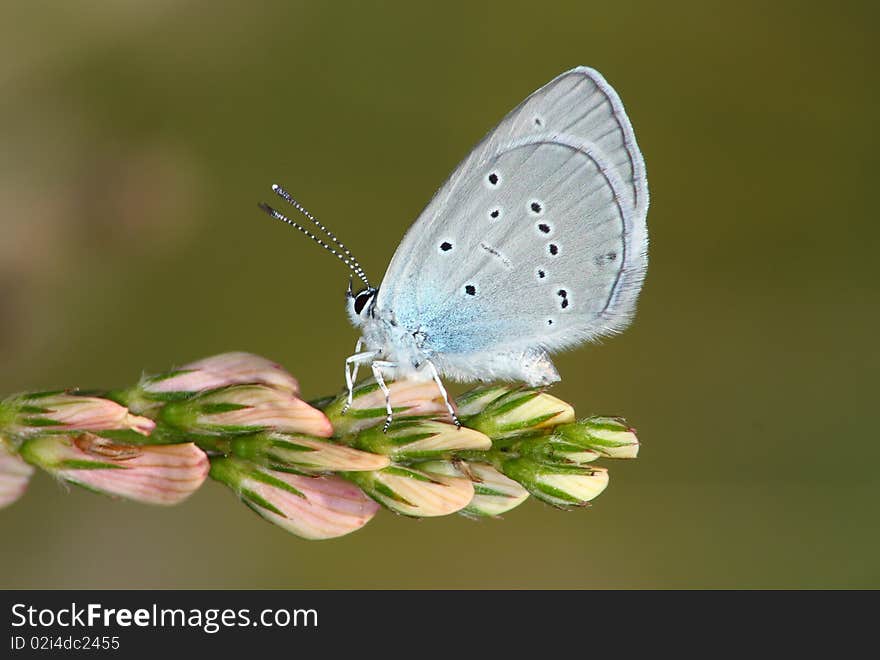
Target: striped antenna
<point>347,258</point>
<point>357,270</point>
<point>283,194</point>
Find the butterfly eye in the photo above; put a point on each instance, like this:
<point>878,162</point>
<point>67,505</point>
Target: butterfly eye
<point>361,300</point>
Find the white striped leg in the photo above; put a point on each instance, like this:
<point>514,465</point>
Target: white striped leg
<point>444,394</point>
<point>357,359</point>
<point>351,374</point>
<point>377,367</point>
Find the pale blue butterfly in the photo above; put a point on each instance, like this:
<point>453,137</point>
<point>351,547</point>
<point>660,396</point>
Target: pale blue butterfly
<point>537,242</point>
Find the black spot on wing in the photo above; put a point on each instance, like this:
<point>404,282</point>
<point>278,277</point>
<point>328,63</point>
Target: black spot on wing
<point>563,294</point>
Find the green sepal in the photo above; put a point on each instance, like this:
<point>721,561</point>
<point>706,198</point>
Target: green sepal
<point>269,480</point>
<point>290,446</point>
<point>368,483</point>
<point>400,471</point>
<point>233,471</point>
<point>39,422</point>
<point>222,407</point>
<point>33,410</point>
<point>251,498</point>
<point>75,464</point>
<point>480,489</point>
<point>489,420</point>
<point>375,440</point>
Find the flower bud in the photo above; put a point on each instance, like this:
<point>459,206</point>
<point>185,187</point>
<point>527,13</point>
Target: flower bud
<point>521,411</point>
<point>413,492</point>
<point>559,485</point>
<point>14,477</point>
<point>219,371</point>
<point>494,493</point>
<point>408,398</point>
<point>610,437</point>
<point>281,451</point>
<point>244,409</point>
<point>26,415</point>
<point>420,440</point>
<point>310,507</point>
<point>555,450</point>
<point>153,474</point>
<point>475,401</point>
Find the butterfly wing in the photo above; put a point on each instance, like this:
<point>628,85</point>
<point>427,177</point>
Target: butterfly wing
<point>538,238</point>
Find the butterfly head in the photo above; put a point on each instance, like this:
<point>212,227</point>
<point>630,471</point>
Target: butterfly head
<point>360,304</point>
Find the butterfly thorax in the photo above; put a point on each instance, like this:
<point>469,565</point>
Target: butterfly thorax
<point>391,340</point>
<point>398,344</point>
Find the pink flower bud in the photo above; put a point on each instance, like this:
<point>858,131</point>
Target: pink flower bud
<point>408,398</point>
<point>494,493</point>
<point>153,474</point>
<point>415,397</point>
<point>69,412</point>
<point>245,408</point>
<point>310,507</point>
<point>415,492</point>
<point>14,477</point>
<point>302,453</point>
<point>220,371</point>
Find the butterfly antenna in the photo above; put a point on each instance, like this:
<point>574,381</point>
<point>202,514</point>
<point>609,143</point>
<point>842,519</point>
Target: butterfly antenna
<point>283,194</point>
<point>353,266</point>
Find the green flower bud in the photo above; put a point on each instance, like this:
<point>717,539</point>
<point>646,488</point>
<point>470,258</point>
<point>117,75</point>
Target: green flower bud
<point>561,486</point>
<point>551,449</point>
<point>475,401</point>
<point>610,437</point>
<point>420,440</point>
<point>520,411</point>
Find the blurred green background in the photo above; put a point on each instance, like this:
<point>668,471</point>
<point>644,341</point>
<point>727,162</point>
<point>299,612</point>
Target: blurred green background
<point>138,137</point>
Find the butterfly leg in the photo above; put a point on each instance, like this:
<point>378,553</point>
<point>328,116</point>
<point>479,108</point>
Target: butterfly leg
<point>357,365</point>
<point>355,360</point>
<point>351,373</point>
<point>377,367</point>
<point>444,394</point>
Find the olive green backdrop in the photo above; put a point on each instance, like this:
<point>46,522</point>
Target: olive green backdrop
<point>137,138</point>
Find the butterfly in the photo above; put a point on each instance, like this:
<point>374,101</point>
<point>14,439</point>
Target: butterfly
<point>536,243</point>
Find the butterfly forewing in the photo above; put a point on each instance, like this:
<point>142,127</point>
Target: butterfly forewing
<point>538,238</point>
